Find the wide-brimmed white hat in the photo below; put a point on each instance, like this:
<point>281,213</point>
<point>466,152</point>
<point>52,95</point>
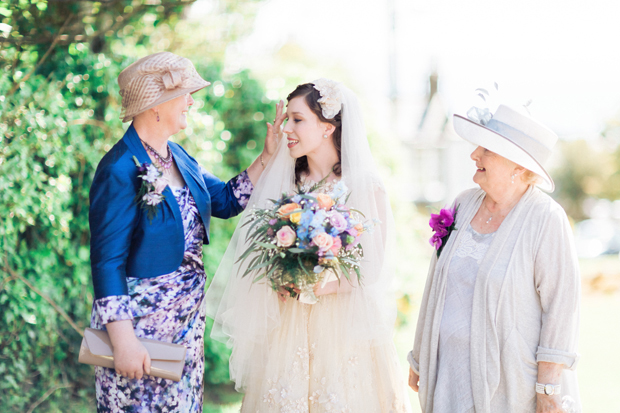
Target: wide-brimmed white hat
<point>514,135</point>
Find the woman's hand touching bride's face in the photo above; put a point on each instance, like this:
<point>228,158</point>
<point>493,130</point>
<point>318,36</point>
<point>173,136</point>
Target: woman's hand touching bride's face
<point>274,135</point>
<point>274,132</point>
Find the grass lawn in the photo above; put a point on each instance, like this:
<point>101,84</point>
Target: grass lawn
<point>599,342</point>
<point>599,367</point>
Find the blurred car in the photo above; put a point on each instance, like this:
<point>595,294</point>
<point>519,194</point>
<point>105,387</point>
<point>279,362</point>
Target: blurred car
<point>594,237</point>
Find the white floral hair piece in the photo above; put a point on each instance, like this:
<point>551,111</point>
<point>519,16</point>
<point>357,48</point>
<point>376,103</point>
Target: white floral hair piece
<point>331,97</point>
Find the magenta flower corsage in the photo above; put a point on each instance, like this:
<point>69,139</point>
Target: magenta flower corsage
<point>442,224</point>
<point>153,184</point>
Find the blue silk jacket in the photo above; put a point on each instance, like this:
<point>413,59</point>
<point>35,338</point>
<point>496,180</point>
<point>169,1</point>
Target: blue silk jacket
<point>124,243</point>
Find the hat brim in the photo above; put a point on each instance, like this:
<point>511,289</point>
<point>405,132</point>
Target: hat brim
<point>487,138</point>
<point>165,97</point>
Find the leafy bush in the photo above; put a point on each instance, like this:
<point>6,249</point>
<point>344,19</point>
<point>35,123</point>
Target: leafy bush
<point>59,108</point>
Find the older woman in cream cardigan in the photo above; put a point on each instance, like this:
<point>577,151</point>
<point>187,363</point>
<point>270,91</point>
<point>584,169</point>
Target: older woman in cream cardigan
<point>499,321</point>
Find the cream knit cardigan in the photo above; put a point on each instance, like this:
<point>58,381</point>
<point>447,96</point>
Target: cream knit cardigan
<point>525,306</point>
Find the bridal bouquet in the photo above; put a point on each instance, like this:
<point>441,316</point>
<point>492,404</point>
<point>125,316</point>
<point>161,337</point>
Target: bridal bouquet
<point>305,238</point>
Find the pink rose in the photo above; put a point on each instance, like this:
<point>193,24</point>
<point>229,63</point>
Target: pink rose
<point>324,241</point>
<point>336,246</point>
<point>286,236</point>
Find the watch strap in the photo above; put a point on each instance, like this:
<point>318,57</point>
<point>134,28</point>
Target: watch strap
<point>548,389</point>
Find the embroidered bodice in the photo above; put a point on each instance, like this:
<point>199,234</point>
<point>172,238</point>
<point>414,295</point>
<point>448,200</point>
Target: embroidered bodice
<point>473,244</point>
<point>326,188</point>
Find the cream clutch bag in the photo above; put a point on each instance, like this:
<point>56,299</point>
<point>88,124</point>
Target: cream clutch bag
<point>167,359</point>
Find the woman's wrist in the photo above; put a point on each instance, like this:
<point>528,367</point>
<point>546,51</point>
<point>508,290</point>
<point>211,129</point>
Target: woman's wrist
<point>264,158</point>
<point>121,333</point>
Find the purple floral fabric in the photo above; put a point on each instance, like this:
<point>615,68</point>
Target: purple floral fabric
<point>113,308</point>
<point>242,188</point>
<point>166,308</point>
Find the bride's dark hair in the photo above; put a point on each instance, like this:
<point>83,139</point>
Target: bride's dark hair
<point>312,100</point>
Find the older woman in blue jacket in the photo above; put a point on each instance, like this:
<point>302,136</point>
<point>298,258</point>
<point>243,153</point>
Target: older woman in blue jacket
<point>150,208</point>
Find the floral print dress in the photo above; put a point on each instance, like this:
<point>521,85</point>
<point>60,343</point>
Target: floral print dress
<point>166,308</point>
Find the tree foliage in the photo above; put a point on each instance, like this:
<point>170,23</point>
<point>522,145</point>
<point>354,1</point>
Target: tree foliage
<point>586,171</point>
<point>59,108</point>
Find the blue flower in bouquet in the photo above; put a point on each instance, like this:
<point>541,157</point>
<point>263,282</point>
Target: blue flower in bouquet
<point>351,223</point>
<point>319,219</point>
<point>303,237</point>
<point>340,190</point>
<point>318,222</point>
<point>316,231</point>
<point>297,199</point>
<point>334,232</point>
<point>306,218</point>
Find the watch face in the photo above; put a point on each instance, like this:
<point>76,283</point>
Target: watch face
<point>549,389</point>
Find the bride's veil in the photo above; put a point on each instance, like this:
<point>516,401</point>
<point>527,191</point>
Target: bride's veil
<point>245,313</point>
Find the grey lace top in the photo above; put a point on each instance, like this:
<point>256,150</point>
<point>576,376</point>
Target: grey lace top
<point>453,393</point>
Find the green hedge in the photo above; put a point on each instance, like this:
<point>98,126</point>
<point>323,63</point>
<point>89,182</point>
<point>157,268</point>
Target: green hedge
<point>59,109</point>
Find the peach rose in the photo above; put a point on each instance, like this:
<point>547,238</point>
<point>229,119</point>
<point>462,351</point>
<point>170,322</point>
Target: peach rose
<point>324,241</point>
<point>325,201</point>
<point>359,227</point>
<point>336,245</point>
<point>287,209</point>
<point>286,236</point>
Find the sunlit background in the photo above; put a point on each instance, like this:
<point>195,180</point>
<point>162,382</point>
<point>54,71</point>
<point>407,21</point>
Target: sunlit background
<point>412,63</point>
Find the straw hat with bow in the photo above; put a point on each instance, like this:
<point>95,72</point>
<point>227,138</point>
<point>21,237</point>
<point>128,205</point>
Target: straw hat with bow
<point>156,79</point>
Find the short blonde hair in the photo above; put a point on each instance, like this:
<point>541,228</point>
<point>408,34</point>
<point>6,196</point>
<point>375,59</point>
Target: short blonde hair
<point>530,177</point>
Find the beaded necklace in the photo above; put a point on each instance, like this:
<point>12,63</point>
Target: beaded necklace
<point>166,162</point>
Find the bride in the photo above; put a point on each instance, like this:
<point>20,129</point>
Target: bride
<point>336,355</point>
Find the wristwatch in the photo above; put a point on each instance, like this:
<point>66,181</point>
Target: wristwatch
<point>548,389</point>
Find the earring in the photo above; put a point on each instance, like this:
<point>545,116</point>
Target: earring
<point>513,178</point>
<point>324,136</point>
<point>157,113</point>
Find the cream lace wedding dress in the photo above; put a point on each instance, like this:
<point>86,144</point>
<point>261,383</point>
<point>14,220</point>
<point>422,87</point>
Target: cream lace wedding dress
<point>313,367</point>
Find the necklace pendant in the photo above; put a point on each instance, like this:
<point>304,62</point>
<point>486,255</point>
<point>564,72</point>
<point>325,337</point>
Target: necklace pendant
<point>490,218</point>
